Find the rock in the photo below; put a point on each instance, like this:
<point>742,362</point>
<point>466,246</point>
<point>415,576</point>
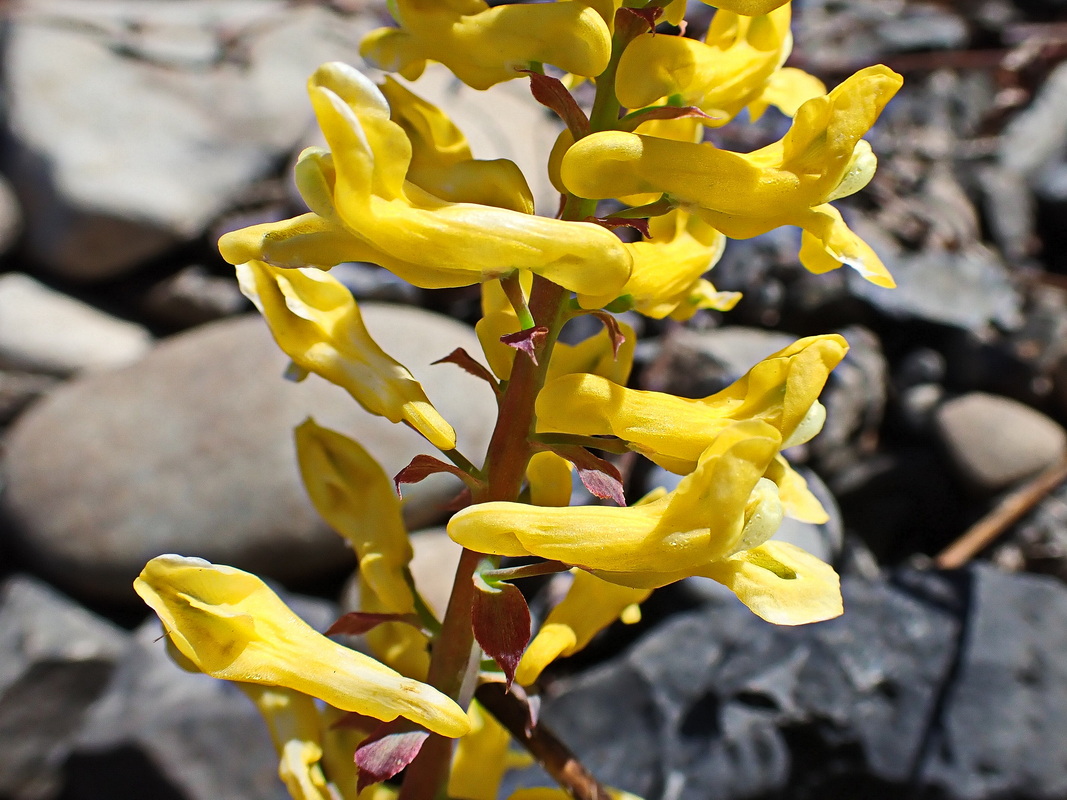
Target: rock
<point>855,398</point>
<point>135,124</point>
<point>994,441</point>
<point>19,389</point>
<point>1003,728</point>
<point>191,452</point>
<point>929,685</point>
<point>42,330</point>
<point>55,661</point>
<point>193,296</point>
<point>923,28</point>
<point>10,216</point>
<point>1037,136</point>
<point>968,288</point>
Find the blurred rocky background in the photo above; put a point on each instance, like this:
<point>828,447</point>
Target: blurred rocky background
<point>142,411</point>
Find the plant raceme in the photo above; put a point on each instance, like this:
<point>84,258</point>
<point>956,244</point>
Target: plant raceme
<point>398,186</point>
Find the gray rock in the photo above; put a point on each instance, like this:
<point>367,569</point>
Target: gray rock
<point>11,222</point>
<point>19,389</point>
<point>136,124</point>
<point>994,441</point>
<point>193,296</point>
<point>1037,136</point>
<point>55,661</point>
<point>190,451</point>
<point>42,330</point>
<point>855,398</point>
<point>969,288</point>
<point>930,685</point>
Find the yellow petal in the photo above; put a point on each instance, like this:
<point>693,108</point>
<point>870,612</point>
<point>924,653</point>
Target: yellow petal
<point>827,243</point>
<point>741,195</point>
<point>748,7</point>
<point>371,156</point>
<point>484,46</point>
<point>317,323</point>
<point>590,605</point>
<point>720,76</point>
<point>398,645</point>
<point>787,90</point>
<point>549,476</point>
<point>357,499</point>
<point>232,626</point>
<point>441,160</point>
<point>480,760</point>
<point>797,500</point>
<point>668,267</point>
<point>781,583</point>
<point>674,431</point>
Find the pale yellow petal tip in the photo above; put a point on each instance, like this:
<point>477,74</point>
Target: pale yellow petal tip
<point>781,583</point>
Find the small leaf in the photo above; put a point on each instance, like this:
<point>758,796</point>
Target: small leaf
<point>649,15</point>
<point>356,623</point>
<point>466,361</point>
<point>613,222</point>
<point>635,118</point>
<point>528,341</point>
<point>385,752</point>
<point>612,324</point>
<point>551,93</point>
<point>501,621</point>
<point>600,477</point>
<point>422,466</point>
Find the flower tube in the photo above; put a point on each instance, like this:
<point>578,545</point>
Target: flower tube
<point>231,626</point>
<point>317,323</point>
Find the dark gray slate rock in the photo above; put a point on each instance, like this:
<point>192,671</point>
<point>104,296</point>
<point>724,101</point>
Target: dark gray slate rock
<point>930,685</point>
<point>55,661</point>
<point>190,451</point>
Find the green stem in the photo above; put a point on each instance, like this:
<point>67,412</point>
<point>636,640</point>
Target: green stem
<point>526,571</point>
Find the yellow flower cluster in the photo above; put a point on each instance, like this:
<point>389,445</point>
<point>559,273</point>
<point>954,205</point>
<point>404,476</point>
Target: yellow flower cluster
<point>398,186</point>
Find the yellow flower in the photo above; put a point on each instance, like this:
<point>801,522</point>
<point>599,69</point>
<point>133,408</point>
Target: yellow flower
<point>357,499</point>
<point>782,390</point>
<point>484,46</point>
<point>231,626</point>
<point>789,182</point>
<point>316,322</point>
<point>707,518</point>
<point>590,606</point>
<point>715,524</point>
<point>365,208</point>
<point>666,280</point>
<point>720,75</point>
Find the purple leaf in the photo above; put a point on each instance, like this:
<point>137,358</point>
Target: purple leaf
<point>501,621</point>
<point>631,121</point>
<point>611,223</point>
<point>612,324</point>
<point>600,477</point>
<point>466,361</point>
<point>528,341</point>
<point>356,623</point>
<point>551,93</point>
<point>422,466</point>
<point>384,753</point>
